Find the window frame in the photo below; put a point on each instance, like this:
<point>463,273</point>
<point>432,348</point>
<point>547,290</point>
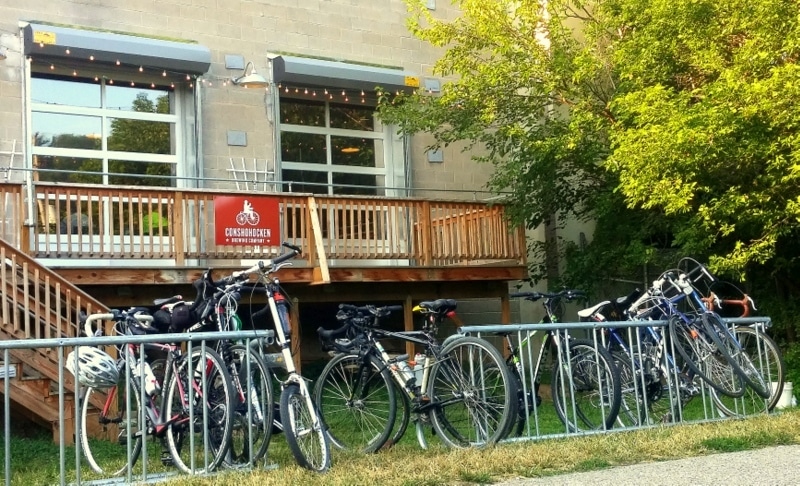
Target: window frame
<point>104,114</point>
<point>380,133</point>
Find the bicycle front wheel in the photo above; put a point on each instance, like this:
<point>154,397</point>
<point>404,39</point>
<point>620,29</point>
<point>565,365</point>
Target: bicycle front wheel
<point>253,410</point>
<point>703,358</point>
<point>303,430</point>
<point>199,434</point>
<point>471,408</point>
<point>588,381</point>
<point>356,402</point>
<point>739,360</point>
<point>768,359</point>
<point>105,433</point>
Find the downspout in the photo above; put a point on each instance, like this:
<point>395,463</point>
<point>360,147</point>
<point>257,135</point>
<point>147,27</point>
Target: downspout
<point>25,86</point>
<point>198,138</point>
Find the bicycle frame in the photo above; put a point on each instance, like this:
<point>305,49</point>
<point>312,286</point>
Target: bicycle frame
<point>152,417</point>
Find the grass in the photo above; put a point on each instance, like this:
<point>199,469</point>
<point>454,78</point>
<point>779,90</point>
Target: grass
<point>35,459</point>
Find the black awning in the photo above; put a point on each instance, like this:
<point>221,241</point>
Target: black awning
<point>337,74</point>
<point>103,46</point>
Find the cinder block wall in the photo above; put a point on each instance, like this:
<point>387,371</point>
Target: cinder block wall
<point>347,30</point>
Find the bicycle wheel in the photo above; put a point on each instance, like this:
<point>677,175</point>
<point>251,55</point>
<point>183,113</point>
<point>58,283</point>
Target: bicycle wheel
<point>253,410</point>
<point>766,355</point>
<point>356,402</point>
<point>471,408</point>
<point>591,393</point>
<point>631,407</point>
<point>104,433</point>
<point>739,360</point>
<point>303,430</point>
<point>702,357</point>
<point>211,415</point>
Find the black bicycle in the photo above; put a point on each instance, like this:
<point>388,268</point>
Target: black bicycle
<point>451,391</point>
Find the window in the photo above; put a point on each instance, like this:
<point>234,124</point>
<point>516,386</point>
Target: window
<point>331,147</point>
<point>90,130</point>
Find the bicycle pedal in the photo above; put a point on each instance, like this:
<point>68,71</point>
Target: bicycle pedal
<point>166,459</point>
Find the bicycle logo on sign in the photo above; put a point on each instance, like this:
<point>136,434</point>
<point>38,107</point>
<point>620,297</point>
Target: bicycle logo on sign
<point>247,215</point>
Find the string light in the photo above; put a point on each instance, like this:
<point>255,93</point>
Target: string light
<point>67,51</point>
<point>70,69</point>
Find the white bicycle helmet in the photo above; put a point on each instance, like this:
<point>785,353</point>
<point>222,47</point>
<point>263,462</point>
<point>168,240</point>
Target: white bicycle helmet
<point>96,368</point>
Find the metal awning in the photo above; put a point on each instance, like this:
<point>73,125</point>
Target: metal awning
<point>337,74</point>
<point>103,46</point>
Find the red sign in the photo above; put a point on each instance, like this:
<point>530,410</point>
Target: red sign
<point>246,220</point>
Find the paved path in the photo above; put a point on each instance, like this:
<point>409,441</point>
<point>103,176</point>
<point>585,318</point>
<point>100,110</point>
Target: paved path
<point>774,466</point>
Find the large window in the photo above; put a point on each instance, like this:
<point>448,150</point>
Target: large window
<point>91,130</point>
<point>330,147</point>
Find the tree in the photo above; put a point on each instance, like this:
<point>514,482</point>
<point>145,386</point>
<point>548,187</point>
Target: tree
<point>672,124</point>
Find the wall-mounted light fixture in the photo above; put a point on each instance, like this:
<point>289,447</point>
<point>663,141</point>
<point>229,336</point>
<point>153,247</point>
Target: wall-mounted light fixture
<point>251,80</point>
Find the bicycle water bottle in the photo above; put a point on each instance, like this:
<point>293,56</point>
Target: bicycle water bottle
<point>151,386</point>
<point>419,362</point>
<point>407,372</point>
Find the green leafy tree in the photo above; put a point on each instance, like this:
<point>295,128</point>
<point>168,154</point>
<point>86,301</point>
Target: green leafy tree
<point>671,124</point>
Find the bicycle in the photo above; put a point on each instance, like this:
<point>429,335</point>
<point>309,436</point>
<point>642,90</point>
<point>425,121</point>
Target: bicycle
<point>190,414</point>
<point>216,308</point>
<point>299,418</point>
<point>762,349</point>
<point>357,387</point>
<point>584,379</point>
<point>702,338</point>
<point>655,389</point>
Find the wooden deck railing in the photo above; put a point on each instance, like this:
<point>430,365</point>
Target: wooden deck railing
<point>83,222</point>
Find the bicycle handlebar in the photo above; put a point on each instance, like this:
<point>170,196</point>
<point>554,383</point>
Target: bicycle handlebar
<point>115,315</point>
<point>564,294</point>
<point>261,266</point>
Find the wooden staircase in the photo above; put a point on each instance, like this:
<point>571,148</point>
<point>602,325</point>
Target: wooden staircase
<point>36,303</point>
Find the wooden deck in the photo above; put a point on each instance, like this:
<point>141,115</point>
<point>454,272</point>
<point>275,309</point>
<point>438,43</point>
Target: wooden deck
<point>96,235</point>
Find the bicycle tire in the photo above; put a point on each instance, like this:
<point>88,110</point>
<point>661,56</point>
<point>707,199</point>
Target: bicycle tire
<point>593,388</point>
<point>252,396</point>
<point>468,410</point>
<point>105,446</point>
<point>356,400</point>
<point>703,358</point>
<point>186,442</point>
<point>739,360</point>
<point>631,406</point>
<point>773,369</point>
<point>403,412</point>
<point>303,430</point>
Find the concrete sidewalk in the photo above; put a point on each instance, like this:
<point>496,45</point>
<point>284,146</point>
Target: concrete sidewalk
<point>775,466</point>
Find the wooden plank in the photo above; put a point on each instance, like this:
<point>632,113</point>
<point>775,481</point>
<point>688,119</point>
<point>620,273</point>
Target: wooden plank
<point>408,324</point>
<point>325,276</point>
